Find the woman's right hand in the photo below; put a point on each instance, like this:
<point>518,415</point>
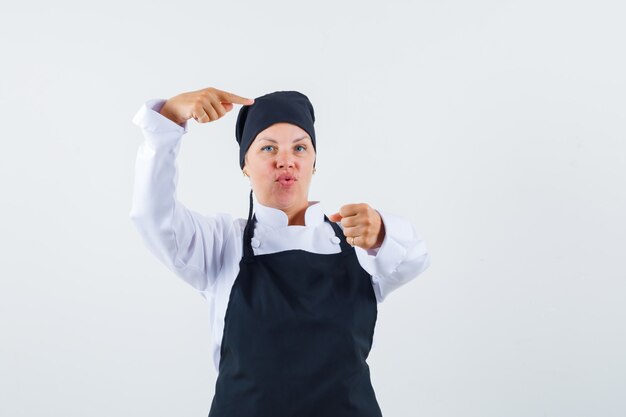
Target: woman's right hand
<point>206,105</point>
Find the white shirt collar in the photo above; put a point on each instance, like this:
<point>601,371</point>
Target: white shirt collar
<point>274,217</point>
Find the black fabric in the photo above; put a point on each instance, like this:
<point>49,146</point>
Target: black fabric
<point>280,106</point>
<point>297,332</point>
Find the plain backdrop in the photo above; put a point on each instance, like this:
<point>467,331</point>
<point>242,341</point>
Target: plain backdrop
<point>496,127</point>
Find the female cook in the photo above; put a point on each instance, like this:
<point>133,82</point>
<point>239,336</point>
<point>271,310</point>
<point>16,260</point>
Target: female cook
<point>292,292</point>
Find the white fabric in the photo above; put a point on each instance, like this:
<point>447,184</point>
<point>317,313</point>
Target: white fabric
<point>205,249</point>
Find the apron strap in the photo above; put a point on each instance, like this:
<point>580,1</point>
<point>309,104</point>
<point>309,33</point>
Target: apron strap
<point>345,247</point>
<point>248,254</point>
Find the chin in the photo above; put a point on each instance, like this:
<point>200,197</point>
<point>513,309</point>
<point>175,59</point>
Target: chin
<point>285,200</point>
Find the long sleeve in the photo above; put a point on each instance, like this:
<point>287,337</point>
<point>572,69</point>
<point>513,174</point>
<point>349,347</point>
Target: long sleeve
<point>188,243</point>
<point>401,257</point>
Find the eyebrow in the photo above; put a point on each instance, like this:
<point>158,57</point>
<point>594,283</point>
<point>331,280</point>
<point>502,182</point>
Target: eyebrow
<point>295,140</point>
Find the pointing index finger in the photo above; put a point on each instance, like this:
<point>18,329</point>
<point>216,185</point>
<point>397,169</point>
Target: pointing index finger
<point>348,210</point>
<point>234,98</point>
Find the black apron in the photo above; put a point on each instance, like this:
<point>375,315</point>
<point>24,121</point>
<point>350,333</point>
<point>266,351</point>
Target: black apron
<point>298,329</point>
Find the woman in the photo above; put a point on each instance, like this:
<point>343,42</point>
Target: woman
<point>292,293</point>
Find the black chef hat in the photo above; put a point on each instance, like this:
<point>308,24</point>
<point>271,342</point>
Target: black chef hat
<point>280,106</point>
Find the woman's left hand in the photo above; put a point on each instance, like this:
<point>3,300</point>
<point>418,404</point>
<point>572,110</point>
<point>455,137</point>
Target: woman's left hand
<point>362,225</point>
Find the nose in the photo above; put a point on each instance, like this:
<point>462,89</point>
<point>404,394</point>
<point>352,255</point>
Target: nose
<point>284,159</point>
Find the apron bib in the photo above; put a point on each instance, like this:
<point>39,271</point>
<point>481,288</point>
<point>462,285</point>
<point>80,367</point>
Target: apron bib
<point>298,329</point>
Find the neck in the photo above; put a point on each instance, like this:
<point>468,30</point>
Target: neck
<point>296,215</point>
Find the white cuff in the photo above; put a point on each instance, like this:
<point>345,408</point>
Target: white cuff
<point>386,258</point>
<point>149,118</point>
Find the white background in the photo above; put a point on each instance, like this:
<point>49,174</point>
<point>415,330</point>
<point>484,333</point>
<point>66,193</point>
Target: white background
<point>496,127</point>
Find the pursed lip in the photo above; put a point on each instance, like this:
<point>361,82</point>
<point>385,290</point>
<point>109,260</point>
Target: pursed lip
<point>286,177</point>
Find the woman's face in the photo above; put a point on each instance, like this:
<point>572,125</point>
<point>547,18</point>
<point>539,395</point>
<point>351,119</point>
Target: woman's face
<point>279,163</point>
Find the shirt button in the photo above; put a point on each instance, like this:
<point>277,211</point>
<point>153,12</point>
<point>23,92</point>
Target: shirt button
<point>335,240</point>
<point>255,242</point>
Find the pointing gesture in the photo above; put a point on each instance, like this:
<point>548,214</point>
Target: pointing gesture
<point>206,105</point>
<point>362,225</point>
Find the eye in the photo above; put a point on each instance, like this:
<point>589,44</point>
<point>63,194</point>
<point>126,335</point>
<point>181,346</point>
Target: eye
<point>301,146</point>
<point>267,146</point>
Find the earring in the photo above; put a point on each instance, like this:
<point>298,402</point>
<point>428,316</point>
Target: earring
<point>314,170</point>
<point>244,173</point>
